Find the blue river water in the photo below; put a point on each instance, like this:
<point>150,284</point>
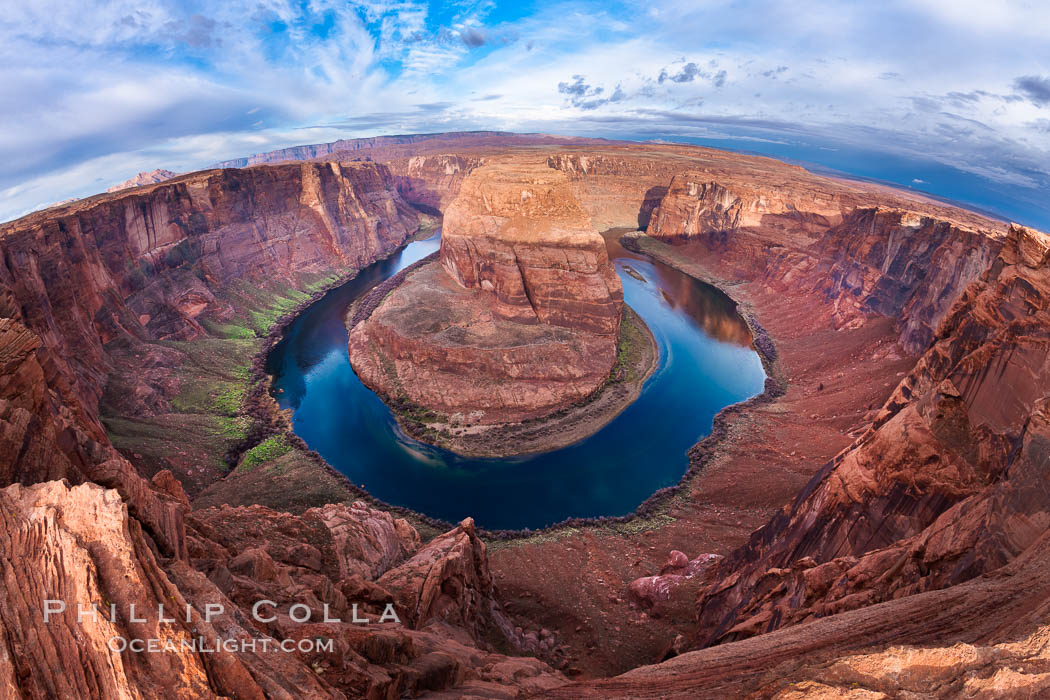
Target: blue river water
<point>707,362</point>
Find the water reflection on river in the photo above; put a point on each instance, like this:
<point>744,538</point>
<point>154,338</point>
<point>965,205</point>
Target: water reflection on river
<point>706,363</point>
<point>711,308</point>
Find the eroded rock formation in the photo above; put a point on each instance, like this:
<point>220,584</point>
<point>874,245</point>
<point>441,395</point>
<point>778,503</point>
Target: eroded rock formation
<point>82,550</point>
<point>148,264</point>
<point>431,182</point>
<point>865,260</point>
<point>945,484</point>
<point>521,316</point>
<point>516,230</point>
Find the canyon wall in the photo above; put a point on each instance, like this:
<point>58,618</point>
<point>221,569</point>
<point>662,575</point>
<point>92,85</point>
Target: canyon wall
<point>431,182</point>
<point>617,190</point>
<point>948,483</point>
<point>516,230</point>
<point>904,265</point>
<point>147,264</point>
<point>520,319</point>
<point>47,434</point>
<point>901,263</point>
<point>910,535</point>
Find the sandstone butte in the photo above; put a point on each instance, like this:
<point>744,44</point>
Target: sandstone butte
<point>873,526</point>
<point>518,319</point>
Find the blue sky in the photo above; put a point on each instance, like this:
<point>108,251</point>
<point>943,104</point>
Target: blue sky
<point>949,96</point>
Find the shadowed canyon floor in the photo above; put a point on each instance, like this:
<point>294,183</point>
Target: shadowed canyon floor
<point>873,525</point>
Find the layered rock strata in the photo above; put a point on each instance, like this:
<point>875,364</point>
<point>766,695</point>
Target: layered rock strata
<point>521,317</point>
<point>151,263</point>
<point>944,485</point>
<point>866,261</point>
<point>431,182</point>
<point>516,230</point>
<point>447,349</point>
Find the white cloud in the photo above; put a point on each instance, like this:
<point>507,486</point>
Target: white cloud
<point>94,94</point>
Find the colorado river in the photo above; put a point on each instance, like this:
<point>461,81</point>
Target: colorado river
<point>707,362</point>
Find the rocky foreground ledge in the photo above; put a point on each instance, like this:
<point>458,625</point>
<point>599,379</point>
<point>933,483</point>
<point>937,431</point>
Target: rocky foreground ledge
<point>519,322</point>
<point>328,578</point>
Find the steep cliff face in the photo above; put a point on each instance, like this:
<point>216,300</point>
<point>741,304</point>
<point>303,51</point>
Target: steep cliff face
<point>696,208</point>
<point>899,263</point>
<point>699,206</point>
<point>431,182</point>
<point>520,319</point>
<point>617,190</point>
<point>904,265</point>
<point>516,230</point>
<point>80,548</point>
<point>44,435</point>
<point>148,264</point>
<point>947,484</point>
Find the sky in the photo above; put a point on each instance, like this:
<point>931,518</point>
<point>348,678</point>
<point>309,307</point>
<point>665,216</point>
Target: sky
<point>950,97</point>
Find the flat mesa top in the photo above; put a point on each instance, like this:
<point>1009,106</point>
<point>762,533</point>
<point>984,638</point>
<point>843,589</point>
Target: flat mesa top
<point>431,304</point>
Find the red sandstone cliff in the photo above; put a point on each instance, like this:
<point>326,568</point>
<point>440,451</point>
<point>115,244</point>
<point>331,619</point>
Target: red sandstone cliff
<point>517,231</point>
<point>520,318</point>
<point>431,182</point>
<point>848,540</point>
<point>79,545</point>
<point>946,484</point>
<point>148,263</point>
<point>901,263</point>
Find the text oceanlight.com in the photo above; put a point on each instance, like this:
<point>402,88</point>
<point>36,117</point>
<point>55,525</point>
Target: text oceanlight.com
<point>200,645</point>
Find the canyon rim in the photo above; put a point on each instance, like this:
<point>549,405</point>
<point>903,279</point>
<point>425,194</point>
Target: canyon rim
<point>651,395</point>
